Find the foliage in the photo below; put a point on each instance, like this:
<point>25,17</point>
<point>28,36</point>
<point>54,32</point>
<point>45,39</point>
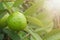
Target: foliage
<point>40,24</point>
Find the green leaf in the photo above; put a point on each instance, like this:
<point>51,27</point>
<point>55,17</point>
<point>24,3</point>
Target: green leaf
<point>1,36</point>
<point>3,19</point>
<point>32,38</point>
<point>1,6</point>
<point>53,35</point>
<point>6,0</point>
<point>13,35</point>
<point>2,14</point>
<point>50,26</point>
<point>35,21</point>
<point>47,29</point>
<point>41,15</point>
<point>18,2</point>
<point>8,5</point>
<point>23,35</point>
<point>35,35</point>
<point>34,8</point>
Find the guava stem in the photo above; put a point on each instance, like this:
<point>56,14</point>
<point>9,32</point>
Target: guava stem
<point>8,8</point>
<point>10,11</point>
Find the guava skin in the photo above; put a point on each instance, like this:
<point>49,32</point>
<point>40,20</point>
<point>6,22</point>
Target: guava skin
<point>17,21</point>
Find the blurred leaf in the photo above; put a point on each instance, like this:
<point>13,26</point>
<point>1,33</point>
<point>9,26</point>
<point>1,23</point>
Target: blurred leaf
<point>42,31</point>
<point>33,26</point>
<point>53,35</point>
<point>34,8</point>
<point>18,2</point>
<point>2,14</point>
<point>8,5</point>
<point>6,0</point>
<point>44,17</point>
<point>35,35</point>
<point>3,20</point>
<point>41,15</point>
<point>13,35</point>
<point>1,36</point>
<point>50,26</point>
<point>23,36</point>
<point>35,21</point>
<point>1,6</point>
<point>32,38</point>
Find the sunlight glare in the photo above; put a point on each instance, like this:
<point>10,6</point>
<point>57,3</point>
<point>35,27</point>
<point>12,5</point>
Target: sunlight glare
<point>53,6</point>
